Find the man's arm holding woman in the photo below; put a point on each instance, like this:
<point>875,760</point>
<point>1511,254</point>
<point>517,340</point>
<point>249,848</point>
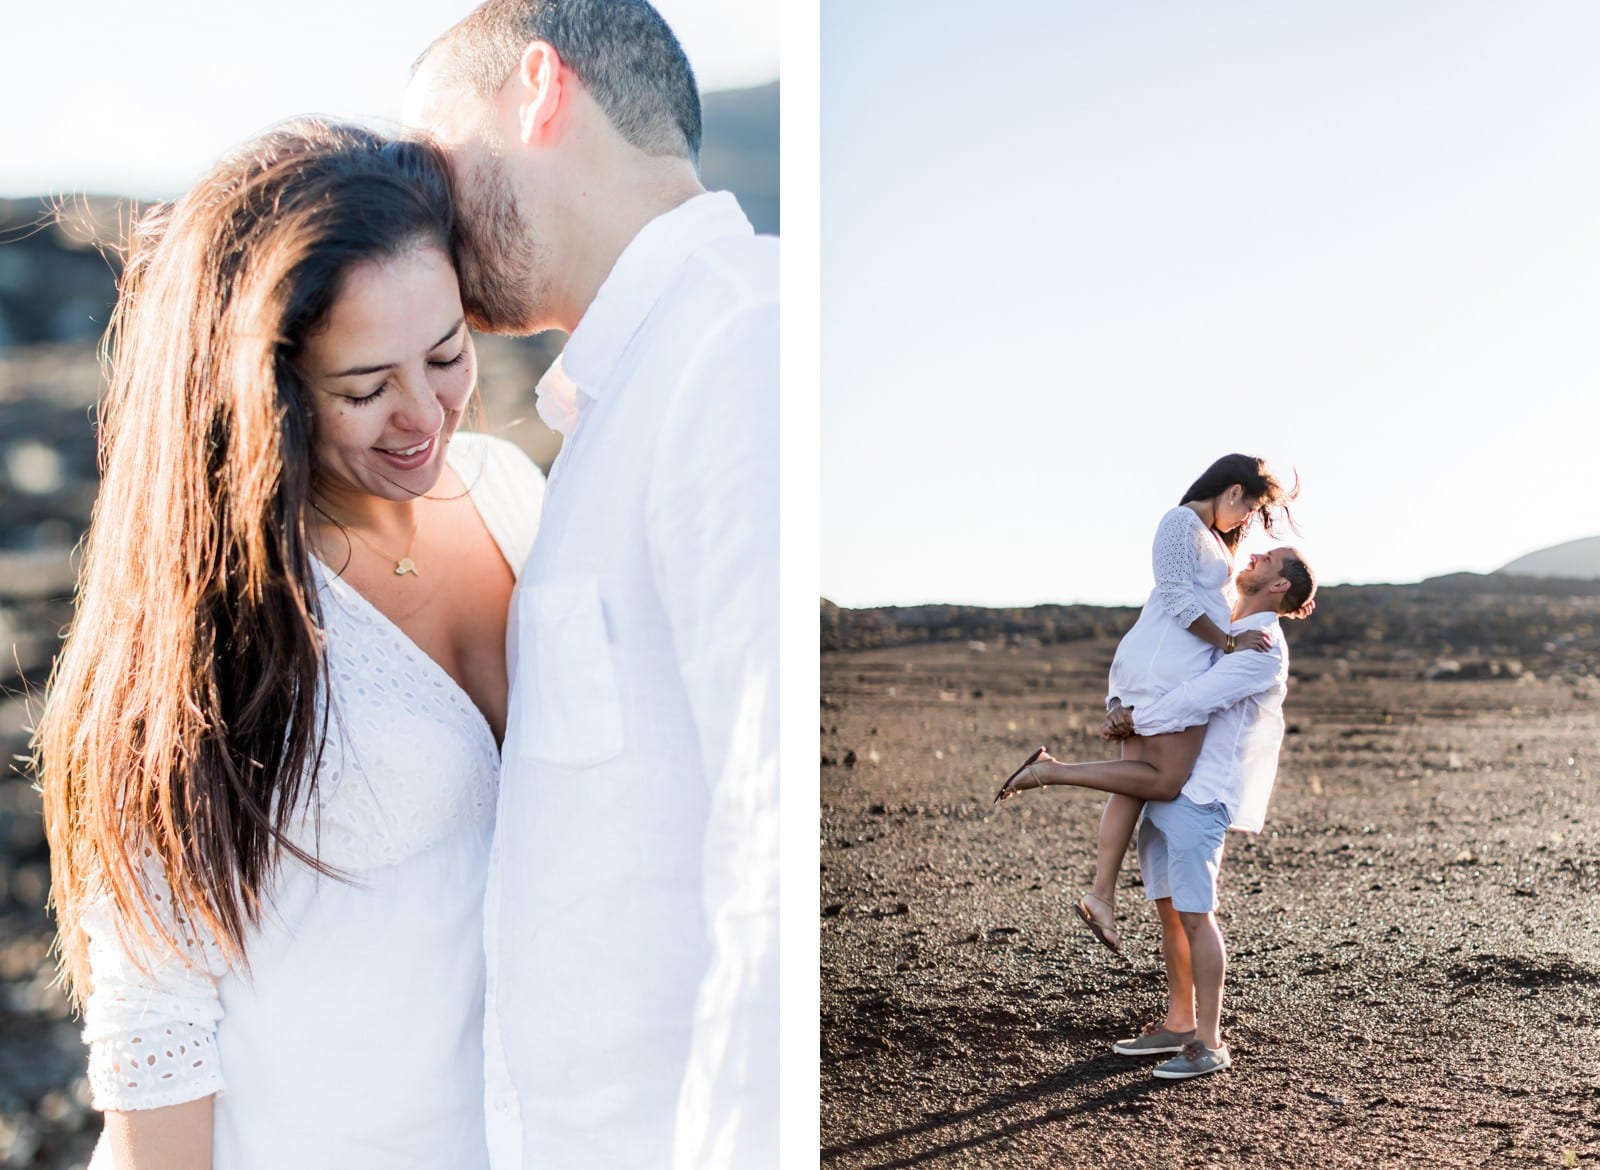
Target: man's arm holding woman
<point>1232,678</point>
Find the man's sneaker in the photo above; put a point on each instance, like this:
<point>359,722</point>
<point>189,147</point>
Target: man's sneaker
<point>1196,1060</point>
<point>1155,1040</point>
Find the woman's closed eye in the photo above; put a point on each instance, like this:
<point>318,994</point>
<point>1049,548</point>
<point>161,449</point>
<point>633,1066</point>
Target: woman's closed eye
<point>438,364</point>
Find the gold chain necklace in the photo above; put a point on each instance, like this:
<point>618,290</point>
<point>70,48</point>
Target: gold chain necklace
<point>402,565</point>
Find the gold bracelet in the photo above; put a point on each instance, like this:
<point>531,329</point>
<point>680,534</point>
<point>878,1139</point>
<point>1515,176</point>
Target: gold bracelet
<point>1230,645</point>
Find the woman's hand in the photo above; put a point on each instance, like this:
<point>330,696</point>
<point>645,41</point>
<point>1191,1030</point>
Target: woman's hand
<point>1253,640</point>
<point>1118,724</point>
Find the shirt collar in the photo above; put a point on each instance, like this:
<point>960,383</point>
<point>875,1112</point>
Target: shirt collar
<point>1257,621</point>
<point>556,399</point>
<point>639,277</point>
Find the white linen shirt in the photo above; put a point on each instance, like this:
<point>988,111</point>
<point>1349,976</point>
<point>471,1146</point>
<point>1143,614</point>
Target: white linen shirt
<point>631,924</point>
<point>1240,699</point>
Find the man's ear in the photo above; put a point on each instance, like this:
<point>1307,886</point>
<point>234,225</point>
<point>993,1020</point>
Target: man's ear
<point>541,92</point>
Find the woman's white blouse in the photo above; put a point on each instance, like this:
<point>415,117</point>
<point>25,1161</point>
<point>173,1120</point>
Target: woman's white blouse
<point>355,1037</point>
<point>1194,578</point>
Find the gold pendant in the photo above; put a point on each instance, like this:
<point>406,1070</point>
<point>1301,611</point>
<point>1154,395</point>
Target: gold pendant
<point>406,566</point>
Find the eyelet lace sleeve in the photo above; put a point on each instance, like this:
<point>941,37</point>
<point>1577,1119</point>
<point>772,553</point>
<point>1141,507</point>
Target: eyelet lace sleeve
<point>1179,545</point>
<point>151,1030</point>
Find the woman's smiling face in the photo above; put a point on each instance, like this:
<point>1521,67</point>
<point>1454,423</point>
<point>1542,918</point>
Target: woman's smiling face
<point>1232,509</point>
<point>389,373</point>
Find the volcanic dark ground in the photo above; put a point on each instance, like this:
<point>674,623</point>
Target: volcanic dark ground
<point>1414,941</point>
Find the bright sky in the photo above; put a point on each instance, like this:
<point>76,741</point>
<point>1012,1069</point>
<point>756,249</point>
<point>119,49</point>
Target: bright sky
<point>140,98</point>
<point>1074,251</point>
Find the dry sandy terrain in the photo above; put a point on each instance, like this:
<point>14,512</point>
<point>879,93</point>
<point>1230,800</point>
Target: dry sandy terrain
<point>1414,940</point>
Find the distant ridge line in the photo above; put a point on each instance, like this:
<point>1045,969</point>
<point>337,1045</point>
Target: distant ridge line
<point>1498,583</point>
<point>1579,559</point>
<point>1542,623</point>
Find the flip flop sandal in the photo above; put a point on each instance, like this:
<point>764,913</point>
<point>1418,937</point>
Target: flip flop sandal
<point>1026,764</point>
<point>1108,935</point>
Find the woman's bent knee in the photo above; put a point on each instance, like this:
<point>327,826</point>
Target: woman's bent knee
<point>1168,785</point>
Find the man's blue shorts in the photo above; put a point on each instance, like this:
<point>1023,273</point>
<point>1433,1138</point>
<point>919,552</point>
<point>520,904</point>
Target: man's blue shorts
<point>1180,852</point>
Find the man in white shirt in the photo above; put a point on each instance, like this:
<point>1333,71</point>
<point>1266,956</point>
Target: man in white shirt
<point>631,918</point>
<point>1240,700</point>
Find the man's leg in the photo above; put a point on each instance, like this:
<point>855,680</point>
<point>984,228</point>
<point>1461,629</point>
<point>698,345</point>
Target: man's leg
<point>1207,957</point>
<point>1177,1029</point>
<point>1194,835</point>
<point>1180,973</point>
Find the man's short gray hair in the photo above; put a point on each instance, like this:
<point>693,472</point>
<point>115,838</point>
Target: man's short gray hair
<point>622,51</point>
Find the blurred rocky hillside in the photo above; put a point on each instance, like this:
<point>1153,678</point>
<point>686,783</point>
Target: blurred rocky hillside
<point>739,150</point>
<point>1465,625</point>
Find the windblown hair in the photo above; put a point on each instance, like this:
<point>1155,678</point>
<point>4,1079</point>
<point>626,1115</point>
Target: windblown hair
<point>621,50</point>
<point>1251,474</point>
<point>1300,599</point>
<point>181,728</point>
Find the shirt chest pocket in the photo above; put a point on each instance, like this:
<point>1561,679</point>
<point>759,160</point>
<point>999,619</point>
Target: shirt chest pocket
<point>566,681</point>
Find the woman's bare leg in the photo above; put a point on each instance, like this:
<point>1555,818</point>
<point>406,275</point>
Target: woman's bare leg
<point>1111,843</point>
<point>1158,775</point>
<point>1152,768</point>
<point>1100,903</point>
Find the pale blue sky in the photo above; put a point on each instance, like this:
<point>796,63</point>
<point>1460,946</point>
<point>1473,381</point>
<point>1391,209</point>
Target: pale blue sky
<point>1072,251</point>
<point>141,98</point>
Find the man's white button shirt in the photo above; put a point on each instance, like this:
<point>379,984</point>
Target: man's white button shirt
<point>1240,699</point>
<point>632,913</point>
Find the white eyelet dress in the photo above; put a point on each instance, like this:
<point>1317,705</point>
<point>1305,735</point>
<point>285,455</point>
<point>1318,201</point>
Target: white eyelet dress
<point>1194,577</point>
<point>355,1040</point>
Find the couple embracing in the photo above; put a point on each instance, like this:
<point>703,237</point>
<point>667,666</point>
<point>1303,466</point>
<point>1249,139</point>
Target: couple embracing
<point>1196,700</point>
<point>406,808</point>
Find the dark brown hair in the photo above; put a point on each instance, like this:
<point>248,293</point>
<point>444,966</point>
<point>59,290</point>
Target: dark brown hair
<point>621,50</point>
<point>182,727</point>
<point>1297,602</point>
<point>1258,483</point>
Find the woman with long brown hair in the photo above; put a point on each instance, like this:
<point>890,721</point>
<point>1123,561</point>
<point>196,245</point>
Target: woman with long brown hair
<point>269,752</point>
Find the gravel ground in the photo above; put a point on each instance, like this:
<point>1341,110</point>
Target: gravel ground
<point>1414,941</point>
